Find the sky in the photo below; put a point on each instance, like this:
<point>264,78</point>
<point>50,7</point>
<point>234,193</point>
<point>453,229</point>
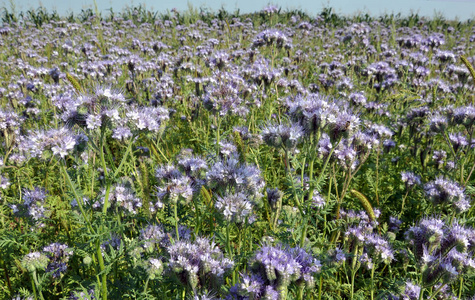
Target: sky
<point>450,9</point>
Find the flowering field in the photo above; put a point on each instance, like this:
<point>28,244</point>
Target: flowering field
<point>211,155</point>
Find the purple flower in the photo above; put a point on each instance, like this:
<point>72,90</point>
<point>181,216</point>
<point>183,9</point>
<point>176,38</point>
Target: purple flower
<point>311,112</point>
<point>235,208</point>
<point>441,250</point>
<point>60,141</point>
<point>154,268</point>
<point>231,176</point>
<point>382,73</point>
<point>338,255</point>
<point>33,206</point>
<point>411,291</point>
<point>458,141</point>
<point>366,261</point>
<point>4,182</point>
<point>152,235</point>
<point>410,179</point>
<point>317,200</point>
<point>388,144</point>
<point>58,255</point>
<point>83,295</point>
<point>252,285</point>
<point>192,165</point>
<point>324,146</point>
<point>394,224</point>
<point>274,198</point>
<point>445,191</point>
<point>438,123</point>
<point>173,185</point>
<point>434,40</point>
<point>35,261</point>
<point>428,233</point>
<point>275,269</point>
<point>226,148</point>
<point>121,133</point>
<point>121,196</point>
<point>464,115</point>
<point>220,59</point>
<point>226,95</point>
<point>148,118</point>
<point>344,125</point>
<point>439,157</point>
<point>445,56</point>
<point>93,121</point>
<point>282,135</point>
<point>357,98</point>
<point>378,248</point>
<point>198,264</point>
<point>114,242</point>
<point>270,9</point>
<point>346,156</point>
<point>9,121</point>
<point>272,36</point>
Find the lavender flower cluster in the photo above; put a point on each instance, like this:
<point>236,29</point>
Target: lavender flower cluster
<point>447,192</point>
<point>33,207</point>
<point>274,269</point>
<point>198,264</point>
<point>180,184</point>
<point>443,251</point>
<point>369,247</point>
<point>53,260</point>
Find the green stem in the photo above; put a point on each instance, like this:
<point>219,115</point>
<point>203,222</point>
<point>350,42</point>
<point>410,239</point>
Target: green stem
<point>129,147</point>
<point>450,146</point>
<point>403,202</point>
<point>76,195</point>
<point>437,291</point>
<point>320,288</point>
<point>311,153</point>
<point>89,227</point>
<point>300,292</point>
<point>460,288</point>
<point>218,128</point>
<point>106,175</point>
<point>175,213</point>
<point>103,270</point>
<point>240,230</point>
<point>35,280</point>
<point>421,294</point>
<point>294,192</point>
<point>33,285</point>
<point>7,277</point>
<point>228,249</point>
<point>327,160</point>
<point>228,242</point>
<point>469,175</point>
<point>377,176</point>
<point>156,148</point>
<point>304,233</point>
<point>198,215</point>
<point>353,271</point>
<point>146,285</point>
<point>372,282</point>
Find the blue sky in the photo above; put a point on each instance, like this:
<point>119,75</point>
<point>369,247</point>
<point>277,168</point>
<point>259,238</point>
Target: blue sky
<point>463,9</point>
